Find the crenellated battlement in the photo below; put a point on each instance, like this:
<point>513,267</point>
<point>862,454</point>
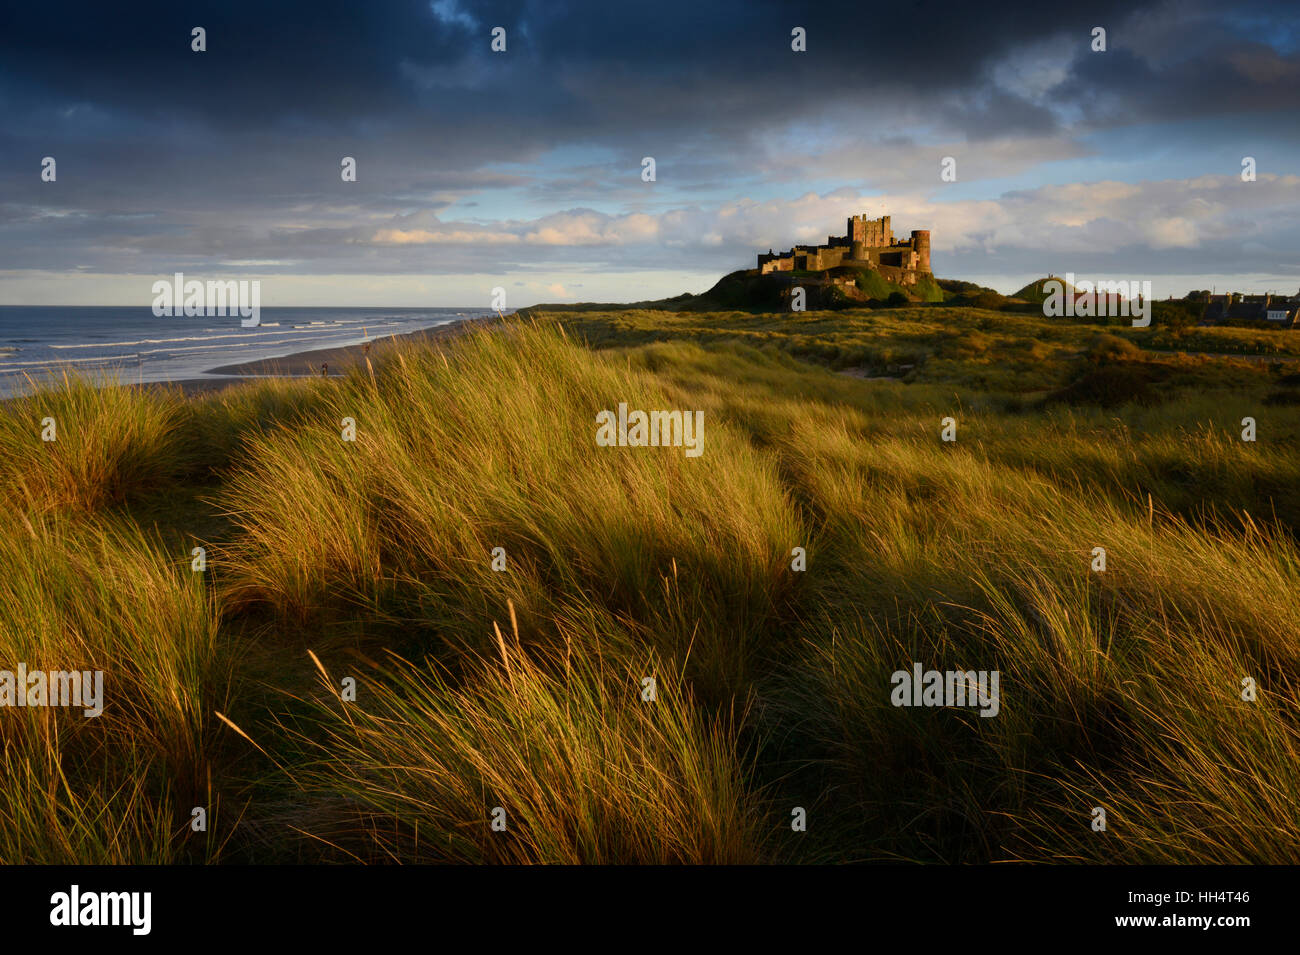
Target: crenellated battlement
<point>868,243</point>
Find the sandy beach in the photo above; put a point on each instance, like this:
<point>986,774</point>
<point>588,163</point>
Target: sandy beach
<point>318,362</point>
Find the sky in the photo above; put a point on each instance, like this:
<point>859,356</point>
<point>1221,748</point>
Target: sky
<point>523,169</point>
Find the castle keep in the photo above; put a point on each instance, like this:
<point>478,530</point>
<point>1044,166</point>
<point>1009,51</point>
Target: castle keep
<point>869,244</point>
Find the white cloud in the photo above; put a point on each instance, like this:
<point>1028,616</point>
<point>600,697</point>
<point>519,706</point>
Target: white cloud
<point>1096,217</point>
<point>453,236</point>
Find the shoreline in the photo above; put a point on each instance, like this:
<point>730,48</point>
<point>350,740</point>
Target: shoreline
<point>340,359</point>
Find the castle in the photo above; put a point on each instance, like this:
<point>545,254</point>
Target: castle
<point>868,244</point>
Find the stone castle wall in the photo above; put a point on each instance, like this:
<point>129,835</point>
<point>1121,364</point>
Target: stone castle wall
<point>869,243</point>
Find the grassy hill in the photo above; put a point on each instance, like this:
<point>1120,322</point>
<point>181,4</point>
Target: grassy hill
<point>749,290</point>
<point>1036,292</point>
<point>356,675</point>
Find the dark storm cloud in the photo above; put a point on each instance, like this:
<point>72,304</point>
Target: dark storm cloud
<point>1227,79</point>
<point>234,153</point>
<point>400,73</point>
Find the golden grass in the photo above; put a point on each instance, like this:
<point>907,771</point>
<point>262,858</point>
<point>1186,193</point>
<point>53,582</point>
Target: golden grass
<point>479,688</point>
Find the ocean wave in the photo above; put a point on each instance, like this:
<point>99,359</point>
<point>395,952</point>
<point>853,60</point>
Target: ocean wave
<point>297,329</point>
<point>148,341</point>
<point>80,362</point>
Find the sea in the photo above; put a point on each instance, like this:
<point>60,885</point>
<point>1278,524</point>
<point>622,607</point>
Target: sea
<point>129,345</point>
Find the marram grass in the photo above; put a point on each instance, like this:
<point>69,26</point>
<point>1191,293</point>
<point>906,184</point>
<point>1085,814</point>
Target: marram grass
<point>448,622</point>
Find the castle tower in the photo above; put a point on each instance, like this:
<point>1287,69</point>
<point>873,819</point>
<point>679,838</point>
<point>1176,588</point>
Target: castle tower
<point>921,244</point>
<point>873,233</point>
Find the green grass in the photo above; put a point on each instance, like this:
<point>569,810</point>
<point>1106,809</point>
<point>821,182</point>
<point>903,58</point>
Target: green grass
<point>117,788</point>
<point>1036,291</point>
<point>874,285</point>
<point>351,679</point>
<point>927,288</point>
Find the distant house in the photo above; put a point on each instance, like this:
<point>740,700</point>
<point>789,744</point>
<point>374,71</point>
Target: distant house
<point>1272,309</point>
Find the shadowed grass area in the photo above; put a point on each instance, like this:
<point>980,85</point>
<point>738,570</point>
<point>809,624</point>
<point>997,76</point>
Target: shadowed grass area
<point>561,757</point>
<point>965,566</point>
<point>117,787</point>
<point>457,610</point>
